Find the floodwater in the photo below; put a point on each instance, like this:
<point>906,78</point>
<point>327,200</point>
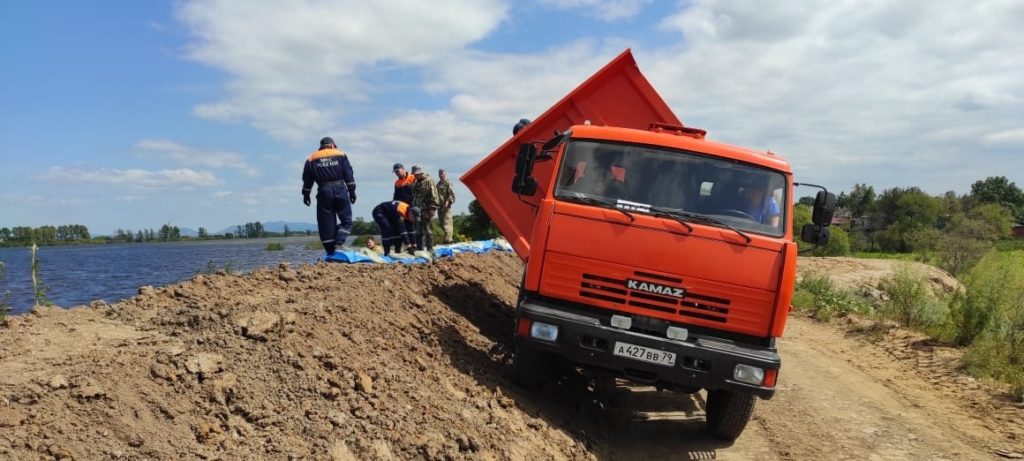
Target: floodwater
<point>80,274</point>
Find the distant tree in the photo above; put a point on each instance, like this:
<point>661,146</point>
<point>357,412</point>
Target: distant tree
<point>5,233</point>
<point>806,200</point>
<point>286,230</point>
<point>363,227</point>
<point>308,232</point>
<point>166,233</point>
<point>258,227</point>
<point>202,234</point>
<point>998,189</point>
<point>140,237</point>
<point>861,200</point>
<point>478,226</point>
<point>902,212</point>
<point>238,231</point>
<point>175,233</point>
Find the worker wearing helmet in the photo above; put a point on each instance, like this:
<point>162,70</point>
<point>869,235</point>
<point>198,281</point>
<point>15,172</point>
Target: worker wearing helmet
<point>394,219</point>
<point>330,169</point>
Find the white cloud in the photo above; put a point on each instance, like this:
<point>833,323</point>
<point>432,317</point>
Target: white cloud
<point>606,10</point>
<point>1012,136</point>
<point>878,92</point>
<point>293,65</point>
<point>191,156</point>
<point>162,179</point>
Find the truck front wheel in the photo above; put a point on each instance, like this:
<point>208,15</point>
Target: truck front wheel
<point>531,368</point>
<point>728,413</point>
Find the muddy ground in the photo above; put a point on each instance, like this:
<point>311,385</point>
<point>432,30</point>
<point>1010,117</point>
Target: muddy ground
<point>412,362</point>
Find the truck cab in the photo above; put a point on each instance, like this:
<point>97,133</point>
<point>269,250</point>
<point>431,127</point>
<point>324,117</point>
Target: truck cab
<point>652,253</point>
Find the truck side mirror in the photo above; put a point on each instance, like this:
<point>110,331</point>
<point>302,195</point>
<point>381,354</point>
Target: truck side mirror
<point>824,208</point>
<point>815,233</point>
<point>523,183</point>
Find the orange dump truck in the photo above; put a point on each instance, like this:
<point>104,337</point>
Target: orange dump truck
<point>652,254</point>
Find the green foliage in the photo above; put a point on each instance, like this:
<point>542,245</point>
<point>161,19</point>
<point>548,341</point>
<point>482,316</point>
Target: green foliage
<point>860,201</point>
<point>819,295</point>
<point>991,356</point>
<point>275,246</point>
<point>989,316</point>
<point>999,190</point>
<point>363,227</point>
<point>358,241</point>
<point>838,244</point>
<point>910,301</point>
<point>964,240</point>
<point>901,213</point>
<point>477,225</point>
<point>993,296</point>
<point>314,245</point>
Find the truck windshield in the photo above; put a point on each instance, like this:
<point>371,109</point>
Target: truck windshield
<point>643,178</point>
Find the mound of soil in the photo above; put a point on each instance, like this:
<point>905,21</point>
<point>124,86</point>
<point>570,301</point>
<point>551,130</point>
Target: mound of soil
<point>320,362</point>
<point>863,275</point>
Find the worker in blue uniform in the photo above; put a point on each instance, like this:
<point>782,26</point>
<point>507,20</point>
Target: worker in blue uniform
<point>396,219</point>
<point>330,169</point>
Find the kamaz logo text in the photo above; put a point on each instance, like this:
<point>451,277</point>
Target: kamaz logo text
<point>655,288</point>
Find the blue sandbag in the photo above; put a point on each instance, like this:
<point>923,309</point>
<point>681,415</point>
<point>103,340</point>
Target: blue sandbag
<point>444,251</point>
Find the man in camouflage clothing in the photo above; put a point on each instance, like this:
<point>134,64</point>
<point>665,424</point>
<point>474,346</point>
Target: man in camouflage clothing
<point>446,195</point>
<point>424,197</point>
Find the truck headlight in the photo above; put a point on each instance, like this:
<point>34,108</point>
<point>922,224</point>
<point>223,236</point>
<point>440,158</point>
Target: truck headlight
<point>544,331</point>
<point>748,374</point>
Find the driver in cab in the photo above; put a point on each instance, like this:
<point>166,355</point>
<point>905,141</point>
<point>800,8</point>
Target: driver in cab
<point>756,201</point>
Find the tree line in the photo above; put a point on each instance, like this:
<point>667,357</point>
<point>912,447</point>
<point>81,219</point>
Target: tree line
<point>45,234</point>
<point>953,231</point>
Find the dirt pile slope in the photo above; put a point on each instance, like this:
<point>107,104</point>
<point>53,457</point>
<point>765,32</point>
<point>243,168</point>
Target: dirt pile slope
<point>322,362</point>
<point>864,275</point>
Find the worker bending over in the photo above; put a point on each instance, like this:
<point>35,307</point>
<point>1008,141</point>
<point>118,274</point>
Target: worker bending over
<point>395,219</point>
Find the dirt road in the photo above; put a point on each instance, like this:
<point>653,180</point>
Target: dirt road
<point>361,362</point>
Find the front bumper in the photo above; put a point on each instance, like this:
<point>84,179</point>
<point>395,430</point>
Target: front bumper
<point>701,362</point>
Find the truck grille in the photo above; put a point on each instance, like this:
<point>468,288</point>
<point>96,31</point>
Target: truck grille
<point>689,304</point>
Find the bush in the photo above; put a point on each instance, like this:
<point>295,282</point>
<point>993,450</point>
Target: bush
<point>990,316</point>
<point>818,294</point>
<point>275,246</point>
<point>313,245</point>
<point>910,302</point>
<point>360,240</point>
<point>991,357</point>
<point>838,244</point>
<point>992,287</point>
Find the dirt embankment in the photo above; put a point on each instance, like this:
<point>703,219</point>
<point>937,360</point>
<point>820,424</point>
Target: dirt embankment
<point>412,362</point>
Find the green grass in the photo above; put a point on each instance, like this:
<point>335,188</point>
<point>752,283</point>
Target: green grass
<point>313,245</point>
<point>989,318</point>
<point>881,255</point>
<point>910,300</point>
<point>1010,245</point>
<point>275,246</point>
<point>817,294</point>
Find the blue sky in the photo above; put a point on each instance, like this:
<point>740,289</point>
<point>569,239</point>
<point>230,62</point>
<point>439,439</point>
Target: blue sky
<point>200,112</point>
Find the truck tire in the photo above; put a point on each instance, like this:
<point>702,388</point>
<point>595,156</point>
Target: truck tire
<point>728,413</point>
<point>530,369</point>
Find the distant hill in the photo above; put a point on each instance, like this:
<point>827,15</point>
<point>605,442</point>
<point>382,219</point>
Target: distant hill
<point>275,226</point>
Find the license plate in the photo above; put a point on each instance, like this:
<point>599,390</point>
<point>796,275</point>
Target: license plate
<point>645,354</point>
